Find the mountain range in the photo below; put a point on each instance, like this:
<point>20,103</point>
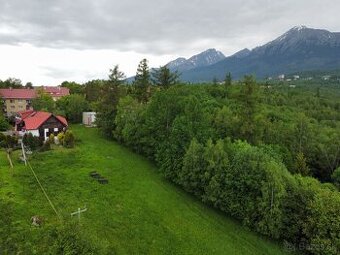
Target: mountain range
<point>299,49</point>
<point>205,58</point>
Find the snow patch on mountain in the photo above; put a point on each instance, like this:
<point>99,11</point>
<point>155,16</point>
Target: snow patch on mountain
<point>205,58</point>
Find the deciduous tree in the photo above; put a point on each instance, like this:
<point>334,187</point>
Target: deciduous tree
<point>43,102</point>
<point>72,107</point>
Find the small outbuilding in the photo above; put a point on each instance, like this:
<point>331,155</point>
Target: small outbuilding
<point>89,118</point>
<point>40,124</point>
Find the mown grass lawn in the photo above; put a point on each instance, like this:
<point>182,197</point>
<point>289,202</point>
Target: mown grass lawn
<point>138,212</point>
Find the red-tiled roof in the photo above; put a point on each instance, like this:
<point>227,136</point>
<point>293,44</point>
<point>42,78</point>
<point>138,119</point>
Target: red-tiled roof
<point>31,93</point>
<point>57,91</point>
<point>24,114</point>
<point>36,119</point>
<point>33,120</point>
<point>17,93</point>
<point>62,120</point>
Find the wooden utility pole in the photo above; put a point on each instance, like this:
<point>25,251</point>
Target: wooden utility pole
<point>9,158</point>
<point>23,153</point>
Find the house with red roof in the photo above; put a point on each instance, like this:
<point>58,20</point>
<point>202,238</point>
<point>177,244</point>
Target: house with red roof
<point>40,124</point>
<point>56,92</point>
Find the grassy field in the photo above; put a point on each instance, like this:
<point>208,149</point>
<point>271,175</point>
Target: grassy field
<point>138,212</point>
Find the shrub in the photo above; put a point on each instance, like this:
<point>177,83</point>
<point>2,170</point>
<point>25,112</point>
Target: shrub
<point>4,125</point>
<point>7,141</point>
<point>2,140</point>
<point>60,137</point>
<point>51,139</point>
<point>336,177</point>
<point>33,142</point>
<point>69,139</point>
<point>67,240</point>
<point>46,145</point>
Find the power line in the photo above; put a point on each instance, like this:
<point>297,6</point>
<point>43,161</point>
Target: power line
<point>36,177</point>
<point>43,190</point>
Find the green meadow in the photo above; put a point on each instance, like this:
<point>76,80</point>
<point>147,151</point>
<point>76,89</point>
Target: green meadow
<point>137,212</point>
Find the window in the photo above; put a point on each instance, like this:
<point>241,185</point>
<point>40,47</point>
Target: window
<point>11,100</point>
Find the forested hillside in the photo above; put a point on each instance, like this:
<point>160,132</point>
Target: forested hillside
<point>267,154</point>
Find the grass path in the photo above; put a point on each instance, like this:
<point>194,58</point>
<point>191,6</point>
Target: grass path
<point>138,212</point>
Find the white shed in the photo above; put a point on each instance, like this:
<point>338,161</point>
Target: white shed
<point>89,118</point>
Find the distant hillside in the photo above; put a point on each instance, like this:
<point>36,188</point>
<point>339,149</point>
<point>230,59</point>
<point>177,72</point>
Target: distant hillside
<point>299,49</point>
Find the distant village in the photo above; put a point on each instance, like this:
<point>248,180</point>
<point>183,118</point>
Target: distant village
<point>288,78</point>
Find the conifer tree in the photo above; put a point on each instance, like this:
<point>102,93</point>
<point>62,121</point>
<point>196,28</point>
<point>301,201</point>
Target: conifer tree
<point>228,80</point>
<point>164,78</point>
<point>301,166</point>
<point>142,82</point>
<point>107,105</point>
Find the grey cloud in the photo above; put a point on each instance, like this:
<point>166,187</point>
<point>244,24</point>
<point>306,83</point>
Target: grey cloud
<point>158,26</point>
<point>58,73</point>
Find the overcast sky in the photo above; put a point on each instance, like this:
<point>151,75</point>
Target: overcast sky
<point>49,41</point>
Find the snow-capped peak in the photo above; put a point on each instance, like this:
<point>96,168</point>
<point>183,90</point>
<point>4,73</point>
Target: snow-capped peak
<point>205,58</point>
<point>299,28</point>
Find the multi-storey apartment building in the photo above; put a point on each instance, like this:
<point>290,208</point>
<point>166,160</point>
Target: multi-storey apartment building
<point>17,100</point>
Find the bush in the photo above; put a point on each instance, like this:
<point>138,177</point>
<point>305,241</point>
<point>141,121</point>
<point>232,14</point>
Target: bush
<point>2,140</point>
<point>68,240</point>
<point>4,125</point>
<point>60,137</point>
<point>336,177</point>
<point>46,146</point>
<point>69,139</point>
<point>33,142</point>
<point>51,139</point>
<point>7,141</point>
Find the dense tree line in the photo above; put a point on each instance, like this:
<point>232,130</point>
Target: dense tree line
<point>246,153</point>
<point>14,83</point>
